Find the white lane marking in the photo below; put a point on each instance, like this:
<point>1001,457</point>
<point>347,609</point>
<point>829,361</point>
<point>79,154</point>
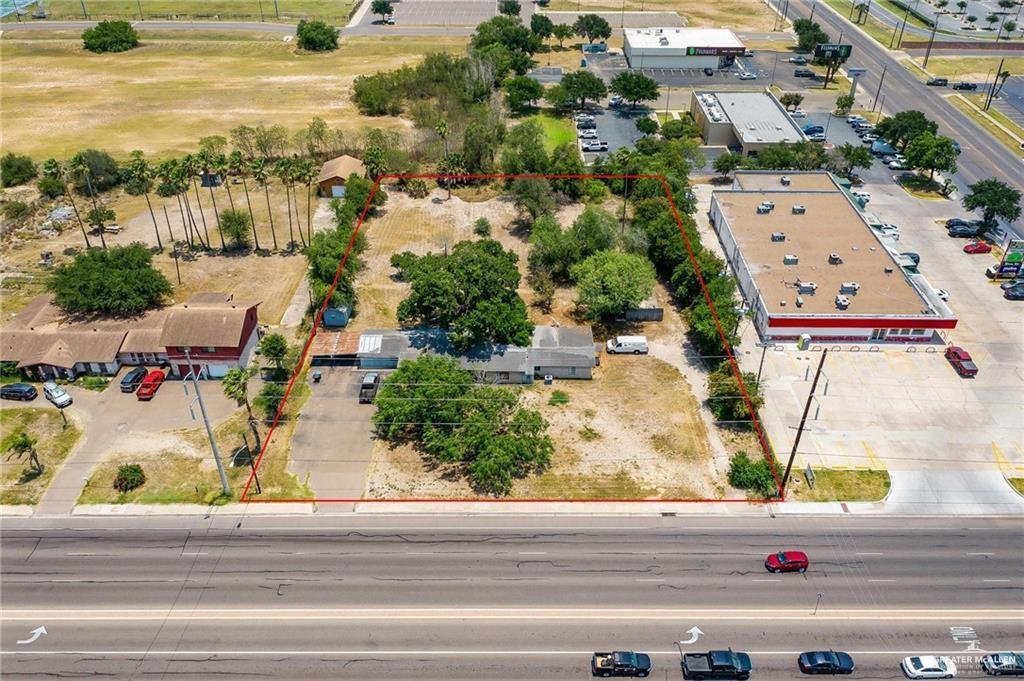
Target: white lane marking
<point>766,580</point>
<point>645,579</point>
<point>869,553</point>
<point>80,554</point>
<point>980,553</point>
<point>65,580</point>
<point>881,580</point>
<point>533,553</point>
<point>194,553</point>
<point>406,653</point>
<point>995,580</point>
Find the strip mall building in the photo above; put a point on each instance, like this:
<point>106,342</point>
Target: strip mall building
<point>809,260</point>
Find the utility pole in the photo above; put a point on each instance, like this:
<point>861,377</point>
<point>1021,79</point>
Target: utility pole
<point>85,13</point>
<point>992,89</point>
<point>879,91</point>
<point>899,27</point>
<point>177,268</point>
<point>760,366</point>
<point>17,12</point>
<point>814,6</point>
<point>668,96</point>
<point>138,3</point>
<point>209,431</point>
<point>803,420</point>
<point>931,39</point>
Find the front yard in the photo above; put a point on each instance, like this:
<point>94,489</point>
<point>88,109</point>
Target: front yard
<point>20,482</point>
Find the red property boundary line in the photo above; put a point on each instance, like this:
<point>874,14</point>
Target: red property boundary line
<point>762,439</point>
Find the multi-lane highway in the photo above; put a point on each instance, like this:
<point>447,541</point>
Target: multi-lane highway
<point>492,597</point>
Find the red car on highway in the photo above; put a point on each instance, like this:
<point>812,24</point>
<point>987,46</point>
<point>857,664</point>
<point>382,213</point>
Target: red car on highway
<point>977,247</point>
<point>961,361</point>
<point>786,561</point>
<point>150,385</point>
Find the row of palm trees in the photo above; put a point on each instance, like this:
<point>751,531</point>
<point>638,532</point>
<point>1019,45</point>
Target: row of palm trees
<point>176,177</point>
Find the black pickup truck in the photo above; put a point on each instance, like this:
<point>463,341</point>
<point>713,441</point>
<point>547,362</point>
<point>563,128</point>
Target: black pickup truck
<point>717,664</point>
<point>620,663</point>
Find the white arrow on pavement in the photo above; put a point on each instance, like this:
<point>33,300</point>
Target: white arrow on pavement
<point>694,633</point>
<point>35,634</point>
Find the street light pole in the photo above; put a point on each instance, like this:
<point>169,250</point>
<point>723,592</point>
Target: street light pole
<point>879,91</point>
<point>803,420</point>
<point>209,431</point>
<point>931,40</point>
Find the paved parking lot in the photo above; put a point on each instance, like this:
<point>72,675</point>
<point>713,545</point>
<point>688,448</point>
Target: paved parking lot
<point>618,20</point>
<point>616,126</point>
<point>438,13</point>
<point>769,67</point>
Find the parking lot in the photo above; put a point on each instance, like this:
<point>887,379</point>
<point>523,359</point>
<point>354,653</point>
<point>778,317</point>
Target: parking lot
<point>437,13</point>
<point>616,126</point>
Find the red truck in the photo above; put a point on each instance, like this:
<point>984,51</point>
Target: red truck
<point>961,361</point>
<point>150,385</point>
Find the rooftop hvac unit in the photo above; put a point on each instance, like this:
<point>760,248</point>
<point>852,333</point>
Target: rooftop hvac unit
<point>785,180</point>
<point>888,270</point>
<point>768,204</point>
<point>842,302</point>
<point>799,301</point>
<point>834,259</point>
<point>849,287</point>
<point>763,209</point>
<point>790,260</point>
<point>799,210</point>
<point>806,286</point>
<point>663,40</point>
<point>778,236</point>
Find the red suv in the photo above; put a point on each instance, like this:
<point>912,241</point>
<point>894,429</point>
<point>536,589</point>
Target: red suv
<point>786,561</point>
<point>961,361</point>
<point>150,385</point>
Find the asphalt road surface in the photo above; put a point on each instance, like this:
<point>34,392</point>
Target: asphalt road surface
<point>493,597</point>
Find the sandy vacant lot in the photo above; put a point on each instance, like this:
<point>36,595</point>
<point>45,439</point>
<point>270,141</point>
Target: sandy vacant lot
<point>739,15</point>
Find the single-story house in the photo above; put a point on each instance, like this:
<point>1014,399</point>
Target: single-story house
<point>334,174</point>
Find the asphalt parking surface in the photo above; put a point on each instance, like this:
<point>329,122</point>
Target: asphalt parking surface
<point>437,13</point>
<point>616,126</point>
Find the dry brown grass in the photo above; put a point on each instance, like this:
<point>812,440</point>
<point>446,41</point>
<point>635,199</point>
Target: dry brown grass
<point>739,15</point>
<point>19,483</point>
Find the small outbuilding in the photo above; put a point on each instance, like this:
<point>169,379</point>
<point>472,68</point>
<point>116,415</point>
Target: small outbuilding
<point>336,172</point>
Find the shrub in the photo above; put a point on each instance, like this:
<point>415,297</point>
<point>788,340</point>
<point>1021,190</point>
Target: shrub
<point>15,210</point>
<point>129,476</point>
<point>417,189</point>
<point>16,169</point>
<point>110,36</point>
<point>50,187</point>
<point>725,400</point>
<point>103,172</point>
<point>316,36</point>
<point>236,226</point>
<point>120,280</point>
<point>482,227</point>
<point>754,476</point>
<point>559,398</point>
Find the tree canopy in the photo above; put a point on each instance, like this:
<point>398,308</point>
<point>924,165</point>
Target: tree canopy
<point>103,171</point>
<point>609,282</point>
<point>16,169</point>
<point>809,33</point>
<point>592,27</point>
<point>118,281</point>
<point>847,157</point>
<point>555,251</point>
<point>930,152</point>
<point>904,126</point>
<point>583,85</point>
<point>522,91</point>
<point>995,199</point>
<point>316,36</point>
<point>110,36</point>
<point>471,292</point>
<point>381,8</point>
<point>635,87</point>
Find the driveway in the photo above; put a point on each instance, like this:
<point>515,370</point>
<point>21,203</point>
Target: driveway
<point>332,443</point>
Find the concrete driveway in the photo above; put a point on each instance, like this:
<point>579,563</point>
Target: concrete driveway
<point>332,443</point>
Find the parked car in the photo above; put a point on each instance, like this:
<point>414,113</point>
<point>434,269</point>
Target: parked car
<point>869,138</point>
<point>898,165</point>
<point>855,118</point>
<point>18,391</point>
<point>746,75</point>
<point>615,100</point>
<point>956,146</point>
<point>970,231</point>
<point>625,345</point>
<point>709,72</point>
<point>1014,293</point>
<point>1003,664</point>
<point>390,20</point>
<point>587,134</point>
<point>748,53</point>
<point>150,385</point>
<point>586,124</point>
<point>133,378</point>
<point>368,387</point>
<point>976,247</point>
<point>1010,284</point>
<point>825,662</point>
<point>620,663</point>
<point>862,196</point>
<point>797,60</point>
<point>798,113</point>
<point>881,148</point>
<point>957,222</point>
<point>56,394</point>
<point>594,145</point>
<point>786,561</point>
<point>812,129</point>
<point>817,137</point>
<point>938,82</point>
<point>928,667</point>
<point>803,73</point>
<point>965,86</point>
<point>716,664</point>
<point>583,117</point>
<point>961,361</point>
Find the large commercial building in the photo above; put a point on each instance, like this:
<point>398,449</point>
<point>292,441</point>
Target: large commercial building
<point>681,48</point>
<point>749,121</point>
<point>809,261</point>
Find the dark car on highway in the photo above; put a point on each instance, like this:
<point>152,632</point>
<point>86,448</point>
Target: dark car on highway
<point>133,378</point>
<point>965,86</point>
<point>18,391</point>
<point>620,663</point>
<point>825,662</point>
<point>938,82</point>
<point>787,561</point>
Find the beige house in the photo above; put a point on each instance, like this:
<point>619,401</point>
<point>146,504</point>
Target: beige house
<point>336,172</point>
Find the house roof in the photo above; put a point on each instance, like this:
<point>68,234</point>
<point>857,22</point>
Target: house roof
<point>62,348</point>
<point>206,320</point>
<point>342,167</point>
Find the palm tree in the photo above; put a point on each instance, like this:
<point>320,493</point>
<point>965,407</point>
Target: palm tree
<point>80,166</point>
<point>442,131</point>
<point>190,166</point>
<point>223,170</point>
<point>260,173</point>
<point>962,6</point>
<point>207,160</point>
<point>140,181</point>
<point>307,175</point>
<point>22,446</point>
<point>236,386</point>
<point>179,181</point>
<point>53,168</point>
<point>168,187</point>
<point>236,166</point>
<point>283,169</point>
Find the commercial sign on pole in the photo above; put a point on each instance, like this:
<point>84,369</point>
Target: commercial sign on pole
<point>833,50</point>
<point>1013,259</point>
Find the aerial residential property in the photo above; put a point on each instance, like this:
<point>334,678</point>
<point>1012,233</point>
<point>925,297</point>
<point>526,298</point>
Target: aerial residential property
<point>493,339</point>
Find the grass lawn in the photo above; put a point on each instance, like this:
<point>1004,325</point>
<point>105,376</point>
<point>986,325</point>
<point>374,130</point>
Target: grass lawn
<point>164,95</point>
<point>1017,484</point>
<point>987,123</point>
<point>918,71</point>
<point>557,130</point>
<point>287,10</point>
<point>874,28</point>
<point>971,68</point>
<point>18,483</point>
<point>739,15</point>
<point>840,485</point>
<point>923,188</point>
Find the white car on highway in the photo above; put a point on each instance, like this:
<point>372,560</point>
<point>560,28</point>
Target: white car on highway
<point>746,75</point>
<point>928,667</point>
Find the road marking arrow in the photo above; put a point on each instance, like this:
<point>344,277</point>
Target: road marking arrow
<point>35,634</point>
<point>694,633</point>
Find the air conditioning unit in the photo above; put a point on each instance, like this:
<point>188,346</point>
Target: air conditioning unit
<point>834,259</point>
<point>806,287</point>
<point>778,236</point>
<point>799,210</point>
<point>790,260</point>
<point>784,179</point>
<point>849,287</point>
<point>842,302</point>
<point>768,204</point>
<point>762,209</point>
<point>799,301</point>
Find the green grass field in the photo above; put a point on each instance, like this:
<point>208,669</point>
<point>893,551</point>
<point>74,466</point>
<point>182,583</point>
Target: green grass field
<point>336,11</point>
<point>839,485</point>
<point>557,130</point>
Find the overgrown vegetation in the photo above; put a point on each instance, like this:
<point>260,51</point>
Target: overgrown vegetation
<point>118,281</point>
<point>754,476</point>
<point>129,476</point>
<point>16,169</point>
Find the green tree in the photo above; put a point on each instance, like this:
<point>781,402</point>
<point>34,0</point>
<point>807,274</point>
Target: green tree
<point>507,31</point>
<point>110,36</point>
<point>558,97</point>
<point>962,6</point>
<point>754,476</point>
<point>472,293</point>
<point>451,165</point>
<point>609,283</point>
<point>995,199</point>
<point>274,348</point>
<point>524,149</point>
<point>725,400</point>
<point>904,126</point>
<point>376,161</point>
<point>647,126</point>
<point>847,157</point>
<point>129,476</point>
<point>931,153</point>
<point>99,216</point>
<point>809,33</point>
<point>509,7</point>
<point>1004,75</point>
<point>238,167</point>
<point>139,182</point>
<point>522,91</point>
<point>972,19</point>
<point>1009,27</point>
<point>261,173</point>
<point>117,281</point>
<point>791,100</point>
<point>592,27</point>
<point>316,36</point>
<point>236,226</point>
<point>235,385</point>
<point>482,227</point>
<point>635,87</point>
<point>566,160</point>
<point>269,400</point>
<point>843,104</point>
<point>533,197</point>
<point>285,171</point>
<point>23,446</point>
<point>16,169</point>
<point>543,290</point>
<point>382,8</point>
<point>583,85</point>
<point>541,26</point>
<point>561,33</point>
<point>94,172</point>
<point>727,162</point>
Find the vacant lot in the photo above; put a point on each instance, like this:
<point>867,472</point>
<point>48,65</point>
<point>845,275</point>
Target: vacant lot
<point>225,9</point>
<point>163,96</point>
<point>20,483</point>
<point>970,68</point>
<point>739,15</point>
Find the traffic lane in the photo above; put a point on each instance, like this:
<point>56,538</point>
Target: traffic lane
<point>488,645</point>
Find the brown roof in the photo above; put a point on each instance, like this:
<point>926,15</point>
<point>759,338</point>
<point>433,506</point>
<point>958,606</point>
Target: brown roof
<point>205,323</point>
<point>341,167</point>
<point>62,348</point>
<point>334,343</point>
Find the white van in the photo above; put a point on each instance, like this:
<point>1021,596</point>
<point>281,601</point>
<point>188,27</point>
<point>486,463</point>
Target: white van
<point>624,345</point>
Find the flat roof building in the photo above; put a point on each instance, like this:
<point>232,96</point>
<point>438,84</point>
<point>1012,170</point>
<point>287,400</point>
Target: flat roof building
<point>680,48</point>
<point>808,262</point>
<point>748,120</point>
